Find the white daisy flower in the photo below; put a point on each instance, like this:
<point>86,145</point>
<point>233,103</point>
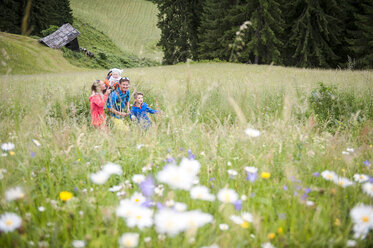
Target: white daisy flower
<point>37,143</point>
<point>201,193</point>
<point>361,178</point>
<point>78,243</point>
<point>247,217</point>
<point>243,197</point>
<point>310,203</point>
<point>129,240</point>
<point>7,146</point>
<point>170,222</point>
<point>111,169</point>
<point>177,178</point>
<point>223,227</point>
<point>227,195</point>
<point>14,194</point>
<point>343,182</point>
<point>351,243</point>
<point>9,222</point>
<point>170,203</point>
<point>159,190</point>
<point>138,178</point>
<point>100,177</point>
<point>329,175</point>
<point>196,219</point>
<point>138,198</point>
<point>190,166</point>
<point>41,209</point>
<point>232,173</point>
<point>252,132</point>
<point>368,188</point>
<point>140,217</point>
<point>115,188</point>
<point>362,217</point>
<point>147,239</point>
<point>267,245</point>
<point>125,208</point>
<point>180,206</point>
<point>236,219</point>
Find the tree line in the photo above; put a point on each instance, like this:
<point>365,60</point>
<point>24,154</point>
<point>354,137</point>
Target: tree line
<point>302,33</point>
<point>33,16</point>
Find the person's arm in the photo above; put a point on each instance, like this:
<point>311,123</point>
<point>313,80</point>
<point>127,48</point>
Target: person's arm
<point>151,111</point>
<point>128,107</point>
<point>110,106</point>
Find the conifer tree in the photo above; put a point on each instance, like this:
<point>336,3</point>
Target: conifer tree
<point>314,33</point>
<point>362,43</point>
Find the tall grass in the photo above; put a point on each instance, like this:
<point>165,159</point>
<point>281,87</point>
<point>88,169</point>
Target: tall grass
<point>206,108</point>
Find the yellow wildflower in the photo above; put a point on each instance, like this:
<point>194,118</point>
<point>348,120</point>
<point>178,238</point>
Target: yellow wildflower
<point>265,175</point>
<point>245,224</point>
<point>280,230</point>
<point>11,153</point>
<point>65,196</point>
<point>271,235</point>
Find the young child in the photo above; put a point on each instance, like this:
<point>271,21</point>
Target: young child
<point>113,80</point>
<point>139,110</point>
<point>98,101</point>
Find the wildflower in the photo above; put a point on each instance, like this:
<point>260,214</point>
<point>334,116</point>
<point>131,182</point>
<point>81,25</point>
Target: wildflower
<point>345,153</point>
<point>176,177</point>
<point>141,217</point>
<point>115,188</point>
<point>349,149</point>
<point>243,197</point>
<point>366,163</point>
<point>129,240</point>
<point>170,203</point>
<point>351,243</point>
<point>139,146</point>
<point>232,173</point>
<point>271,235</point>
<point>343,182</point>
<point>223,227</point>
<point>138,198</point>
<point>252,132</point>
<point>190,166</point>
<point>111,168</point>
<point>201,193</point>
<point>368,188</point>
<point>138,178</point>
<point>236,219</point>
<point>361,178</point>
<point>9,222</point>
<point>159,190</point>
<point>362,217</point>
<point>280,230</point>
<point>196,219</point>
<point>316,174</point>
<point>11,153</point>
<point>7,146</point>
<point>265,175</point>
<point>251,173</point>
<point>147,239</point>
<point>170,222</point>
<point>267,245</point>
<point>78,243</point>
<point>237,205</point>
<point>180,207</point>
<point>100,177</point>
<point>14,194</point>
<point>41,209</point>
<point>329,175</point>
<point>147,186</point>
<point>310,203</point>
<point>229,163</point>
<point>227,195</point>
<point>65,195</point>
<point>37,143</point>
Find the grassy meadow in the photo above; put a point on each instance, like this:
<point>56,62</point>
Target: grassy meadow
<point>131,24</point>
<point>206,110</point>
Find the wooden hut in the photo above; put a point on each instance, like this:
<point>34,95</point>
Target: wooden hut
<point>66,35</point>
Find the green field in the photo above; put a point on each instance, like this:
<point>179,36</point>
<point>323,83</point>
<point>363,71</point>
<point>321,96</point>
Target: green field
<point>131,24</point>
<point>23,55</point>
<point>206,108</point>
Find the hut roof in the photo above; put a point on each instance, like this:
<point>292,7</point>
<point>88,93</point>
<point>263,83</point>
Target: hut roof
<point>62,36</point>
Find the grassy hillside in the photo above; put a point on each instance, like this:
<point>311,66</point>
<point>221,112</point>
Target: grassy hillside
<point>131,24</point>
<point>24,55</point>
<point>206,110</point>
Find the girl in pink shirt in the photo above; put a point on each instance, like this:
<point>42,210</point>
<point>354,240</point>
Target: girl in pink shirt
<point>98,101</point>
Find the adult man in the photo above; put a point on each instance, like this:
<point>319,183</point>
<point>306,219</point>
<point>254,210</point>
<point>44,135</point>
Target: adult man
<point>118,103</point>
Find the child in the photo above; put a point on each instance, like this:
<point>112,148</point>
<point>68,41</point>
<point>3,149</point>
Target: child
<point>139,110</point>
<point>113,79</point>
<point>98,101</point>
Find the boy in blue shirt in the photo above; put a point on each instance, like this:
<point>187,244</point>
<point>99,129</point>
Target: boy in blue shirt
<point>139,110</point>
<point>118,103</point>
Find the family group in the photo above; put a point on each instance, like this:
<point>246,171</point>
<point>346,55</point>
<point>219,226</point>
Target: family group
<point>113,95</point>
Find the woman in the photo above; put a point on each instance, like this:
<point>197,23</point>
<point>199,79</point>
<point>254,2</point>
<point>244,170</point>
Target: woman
<point>98,101</point>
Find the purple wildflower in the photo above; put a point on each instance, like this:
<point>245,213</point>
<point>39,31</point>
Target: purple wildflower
<point>307,190</point>
<point>159,205</point>
<point>76,189</point>
<point>295,193</point>
<point>191,155</point>
<point>251,176</point>
<point>316,174</point>
<point>212,179</point>
<point>32,154</point>
<point>285,187</point>
<point>147,186</point>
<point>171,160</point>
<point>252,194</point>
<point>181,149</point>
<point>147,204</point>
<point>371,179</point>
<point>304,196</point>
<point>366,163</point>
<point>238,205</point>
<point>298,187</point>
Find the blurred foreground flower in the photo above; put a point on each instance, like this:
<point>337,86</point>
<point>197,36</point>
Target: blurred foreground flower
<point>111,169</point>
<point>134,214</point>
<point>329,175</point>
<point>265,175</point>
<point>138,178</point>
<point>14,194</point>
<point>368,188</point>
<point>267,245</point>
<point>9,222</point>
<point>227,195</point>
<point>100,177</point>
<point>252,173</point>
<point>361,178</point>
<point>37,143</point>
<point>78,243</point>
<point>129,240</point>
<point>252,132</point>
<point>362,217</point>
<point>65,195</point>
<point>201,193</point>
<point>7,146</point>
<point>147,186</point>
